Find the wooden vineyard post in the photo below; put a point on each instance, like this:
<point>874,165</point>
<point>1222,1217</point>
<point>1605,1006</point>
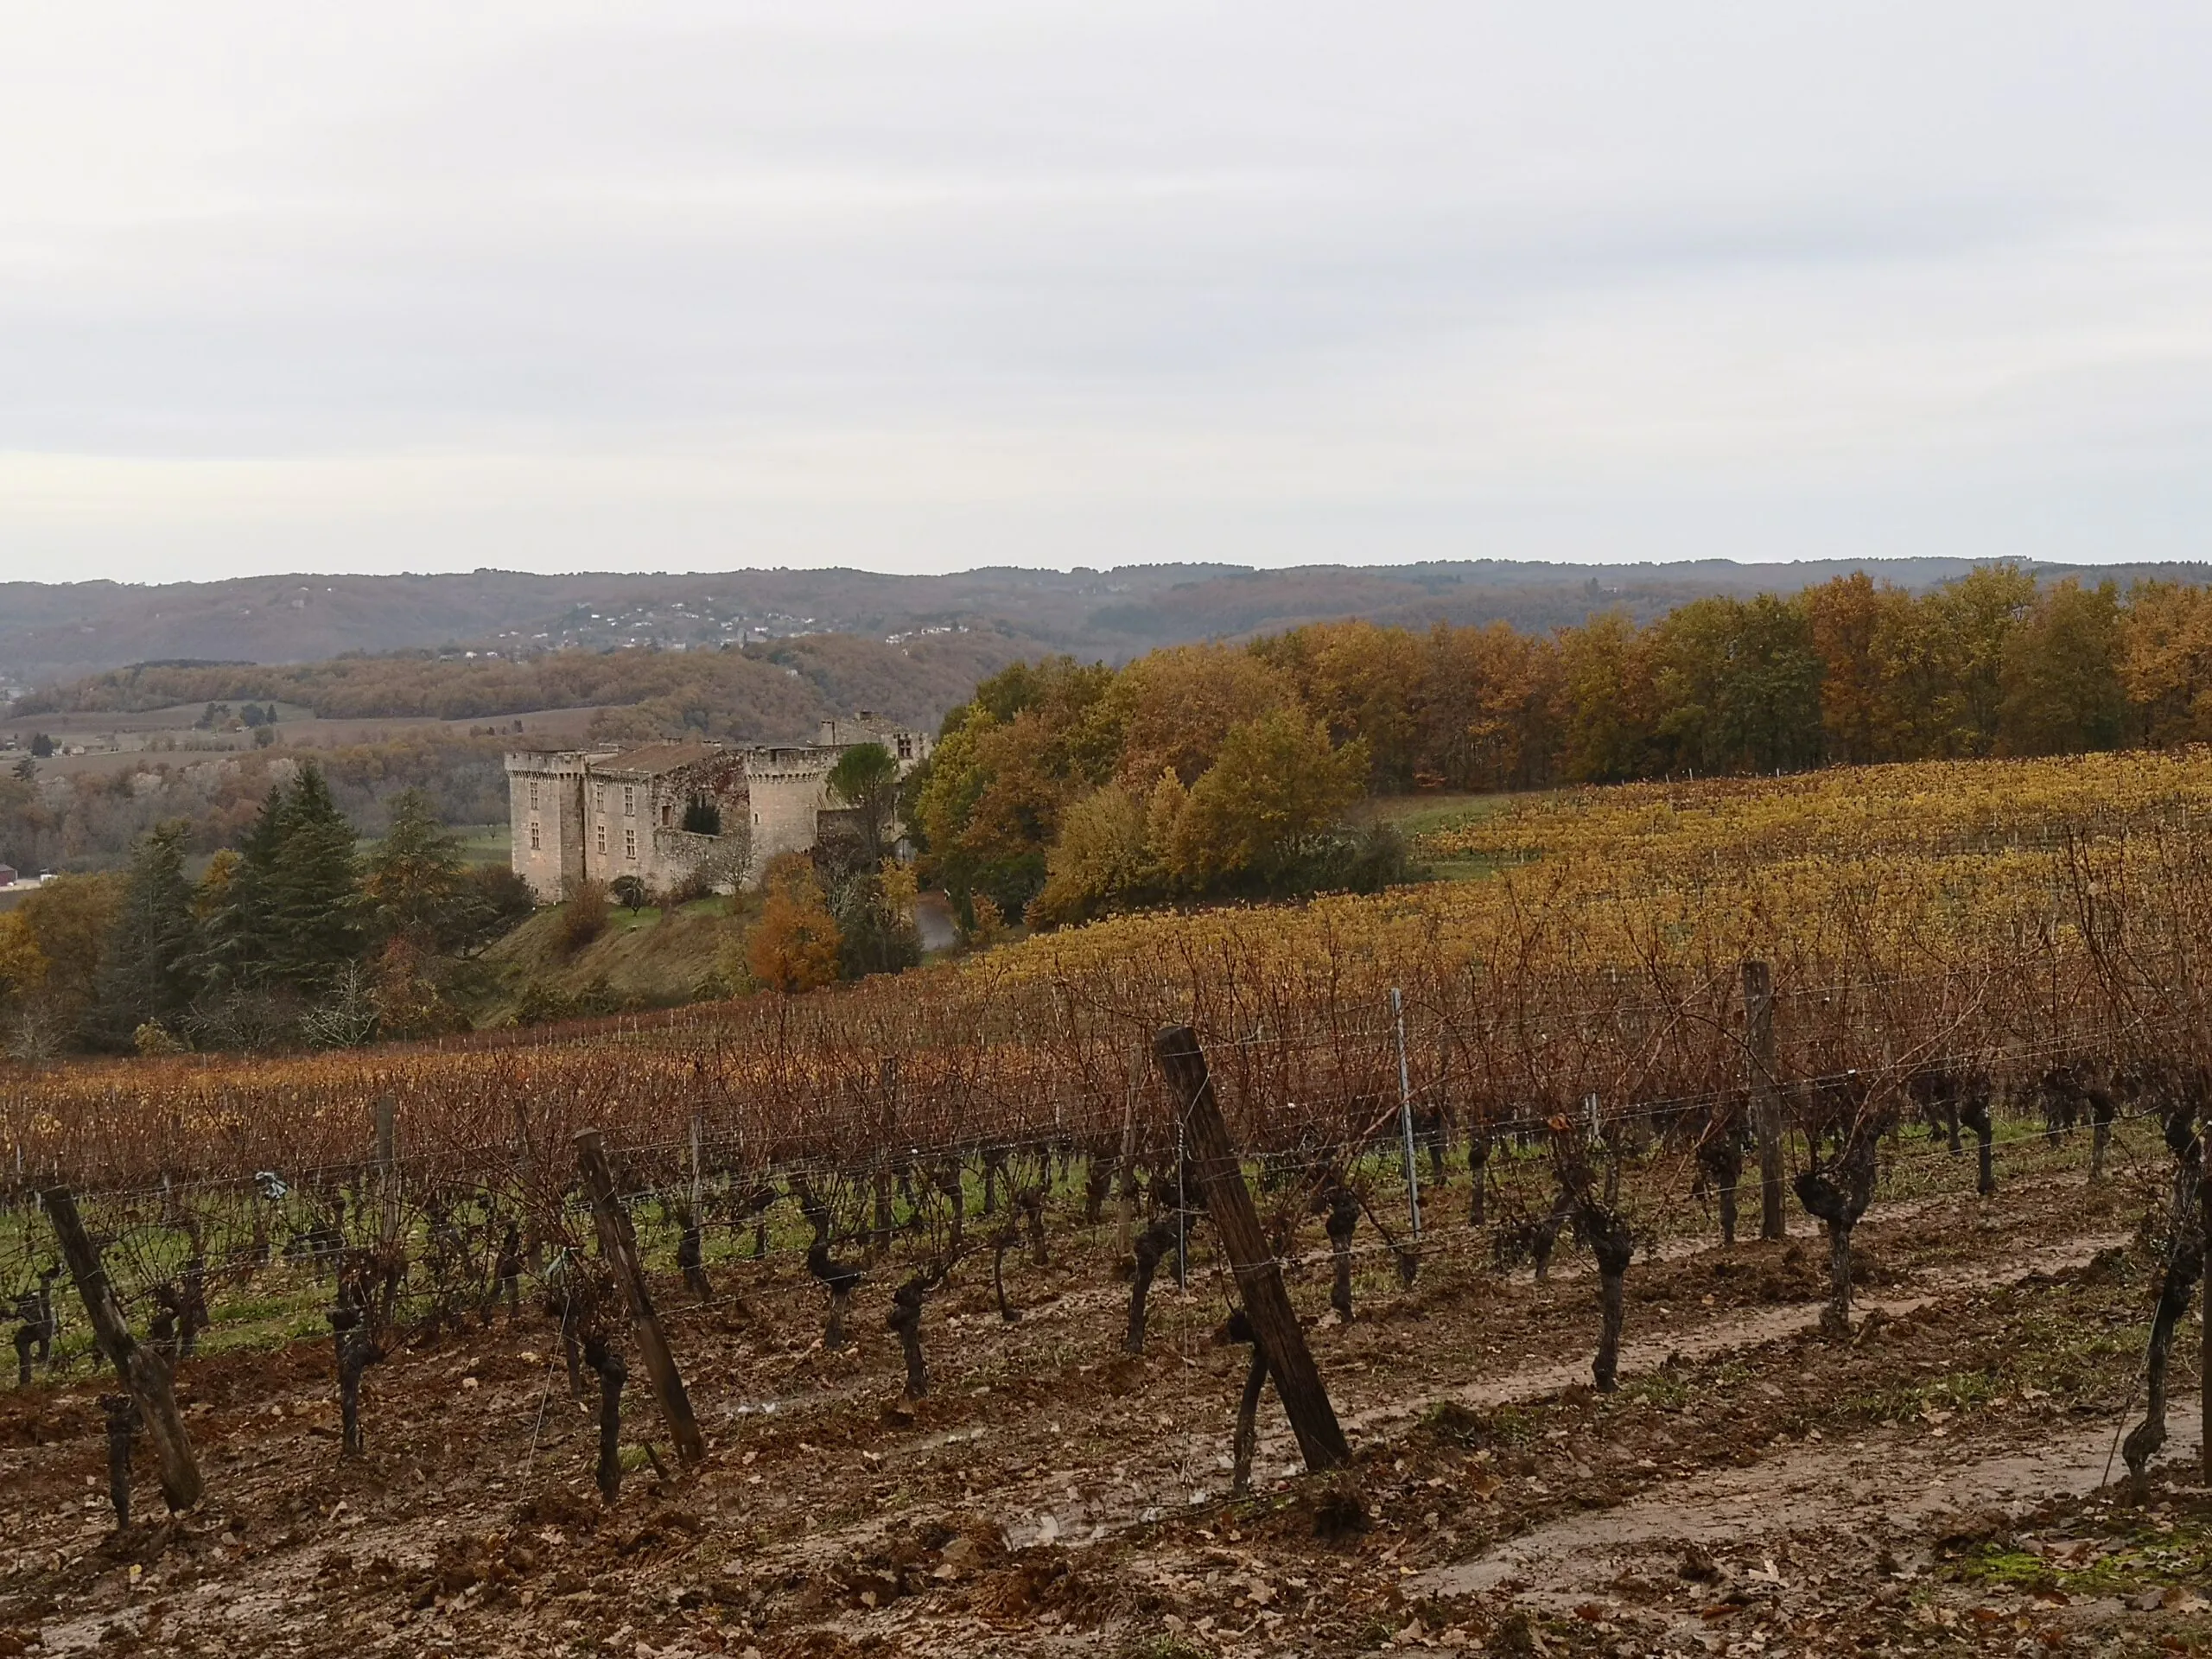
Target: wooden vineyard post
<point>620,1243</point>
<point>1126,1207</point>
<point>1405,1114</point>
<point>880,1242</point>
<point>387,1170</point>
<point>2204,1224</point>
<point>143,1373</point>
<point>1259,1279</point>
<point>1766,1098</point>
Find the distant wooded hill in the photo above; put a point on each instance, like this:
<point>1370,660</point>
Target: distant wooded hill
<point>55,634</point>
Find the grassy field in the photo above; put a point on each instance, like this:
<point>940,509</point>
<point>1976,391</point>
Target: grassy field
<point>1432,824</point>
<point>647,958</point>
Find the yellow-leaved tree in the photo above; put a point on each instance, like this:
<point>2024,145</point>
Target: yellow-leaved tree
<point>1102,860</point>
<point>1276,788</point>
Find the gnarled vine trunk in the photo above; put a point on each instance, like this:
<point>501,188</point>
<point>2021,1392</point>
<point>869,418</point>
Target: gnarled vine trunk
<point>1152,1244</point>
<point>1343,1222</point>
<point>123,1421</point>
<point>607,1364</point>
<point>1609,1241</point>
<point>1838,1197</point>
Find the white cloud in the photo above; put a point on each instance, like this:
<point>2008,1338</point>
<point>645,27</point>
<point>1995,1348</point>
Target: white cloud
<point>666,284</point>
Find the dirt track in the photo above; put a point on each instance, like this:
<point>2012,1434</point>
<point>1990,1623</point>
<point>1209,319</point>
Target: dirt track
<point>1933,1483</point>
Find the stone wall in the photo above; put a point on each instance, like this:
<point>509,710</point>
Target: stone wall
<point>788,787</point>
<point>546,806</point>
<point>577,816</point>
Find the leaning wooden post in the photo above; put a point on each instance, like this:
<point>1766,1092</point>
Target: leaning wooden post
<point>2204,1224</point>
<point>142,1371</point>
<point>1258,1278</point>
<point>1766,1096</point>
<point>618,1242</point>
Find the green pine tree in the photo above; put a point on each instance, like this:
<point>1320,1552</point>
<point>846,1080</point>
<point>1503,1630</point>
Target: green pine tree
<point>240,933</point>
<point>149,968</point>
<point>313,888</point>
<point>291,911</point>
<point>417,885</point>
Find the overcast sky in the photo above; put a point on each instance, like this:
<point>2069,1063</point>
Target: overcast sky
<point>924,286</point>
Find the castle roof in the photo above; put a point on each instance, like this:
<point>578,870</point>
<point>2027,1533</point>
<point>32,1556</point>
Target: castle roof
<point>656,758</point>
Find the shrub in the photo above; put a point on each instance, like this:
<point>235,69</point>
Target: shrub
<point>152,1039</point>
<point>584,916</point>
<point>543,1003</point>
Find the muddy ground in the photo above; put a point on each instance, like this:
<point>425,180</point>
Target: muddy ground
<point>1936,1484</point>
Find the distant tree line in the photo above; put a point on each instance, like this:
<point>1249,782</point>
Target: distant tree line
<point>775,689</point>
<point>91,820</point>
<point>1061,790</point>
<point>291,938</point>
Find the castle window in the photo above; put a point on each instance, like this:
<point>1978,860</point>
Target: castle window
<point>629,800</point>
<point>534,842</point>
<point>599,797</point>
<point>667,814</point>
<point>630,845</point>
<point>905,746</point>
<point>533,794</point>
<point>602,840</point>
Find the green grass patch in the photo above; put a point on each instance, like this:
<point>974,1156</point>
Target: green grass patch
<point>2152,1556</point>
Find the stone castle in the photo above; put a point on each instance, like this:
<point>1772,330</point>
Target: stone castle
<point>677,814</point>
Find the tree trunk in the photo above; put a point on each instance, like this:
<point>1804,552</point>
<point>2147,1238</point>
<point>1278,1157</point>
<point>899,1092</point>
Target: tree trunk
<point>1343,1221</point>
<point>1546,1233</point>
<point>1097,1180</point>
<point>1721,1157</point>
<point>613,1373</point>
<point>1611,1303</point>
<point>1611,1242</point>
<point>1154,1243</point>
<point>357,1352</point>
<point>905,1320</point>
<point>1478,1168</point>
<point>955,1203</point>
<point>2183,1264</point>
<point>1030,1203</point>
<point>692,1255</point>
<point>1005,1240</point>
<point>1766,1094</point>
<point>2101,1108</point>
<point>1837,1318</point>
<point>1838,1197</point>
<point>123,1422</point>
<point>1975,1115</point>
<point>1247,1409</point>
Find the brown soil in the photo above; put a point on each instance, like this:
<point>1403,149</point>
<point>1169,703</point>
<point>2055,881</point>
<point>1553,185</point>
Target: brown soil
<point>1754,1486</point>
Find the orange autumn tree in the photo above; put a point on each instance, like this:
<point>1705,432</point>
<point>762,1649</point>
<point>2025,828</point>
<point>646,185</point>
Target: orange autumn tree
<point>793,947</point>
